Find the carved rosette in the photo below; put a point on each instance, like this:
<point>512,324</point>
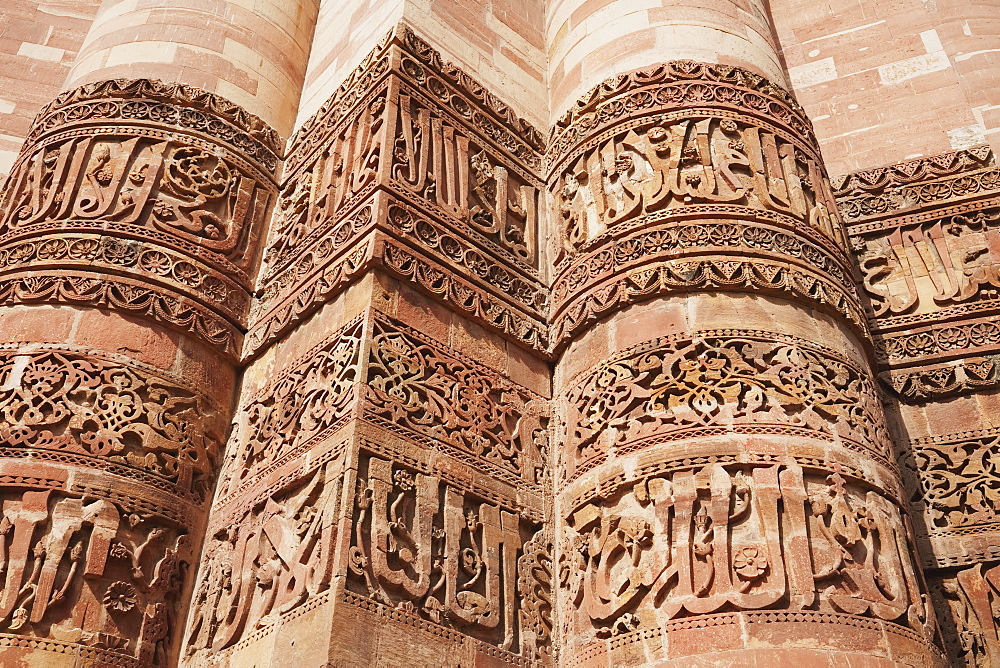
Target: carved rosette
<point>691,177</point>
<point>411,168</point>
<point>145,198</point>
<point>105,470</point>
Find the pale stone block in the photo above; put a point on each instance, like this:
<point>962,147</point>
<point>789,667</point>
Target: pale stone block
<point>141,52</point>
<point>901,70</point>
<point>7,159</point>
<point>6,106</point>
<point>810,74</point>
<point>967,137</point>
<point>41,52</point>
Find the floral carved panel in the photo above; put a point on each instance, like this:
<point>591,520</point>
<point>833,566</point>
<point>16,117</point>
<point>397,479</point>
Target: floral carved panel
<point>688,385</point>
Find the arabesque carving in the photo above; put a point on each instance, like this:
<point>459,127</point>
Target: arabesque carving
<point>300,406</point>
<point>107,411</point>
<point>415,385</point>
<point>745,379</point>
<point>955,479</point>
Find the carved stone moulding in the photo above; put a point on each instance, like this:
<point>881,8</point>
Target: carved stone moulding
<point>739,543</point>
<point>967,600</point>
<point>686,385</point>
<point>873,194</point>
<point>918,384</point>
<point>303,405</point>
<point>144,183</point>
<point>710,254</point>
<point>385,234</point>
<point>413,147</point>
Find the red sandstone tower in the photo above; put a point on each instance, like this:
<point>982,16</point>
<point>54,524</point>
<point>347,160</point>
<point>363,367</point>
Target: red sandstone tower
<point>514,333</point>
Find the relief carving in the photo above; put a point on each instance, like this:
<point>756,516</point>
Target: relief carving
<point>663,164</point>
<point>107,411</point>
<point>63,555</point>
<point>432,550</point>
<point>168,189</point>
<point>716,378</point>
<point>882,192</point>
<point>422,388</point>
<point>721,537</point>
<point>922,267</point>
<point>954,481</point>
<point>299,406</point>
<point>968,604</point>
<point>267,562</point>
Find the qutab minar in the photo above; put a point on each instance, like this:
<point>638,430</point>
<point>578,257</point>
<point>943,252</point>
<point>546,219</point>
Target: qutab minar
<point>556,333</point>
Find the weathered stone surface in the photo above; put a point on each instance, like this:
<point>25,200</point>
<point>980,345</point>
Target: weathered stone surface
<point>433,384</point>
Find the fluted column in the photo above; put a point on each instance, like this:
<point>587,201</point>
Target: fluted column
<point>129,234</point>
<point>725,486</point>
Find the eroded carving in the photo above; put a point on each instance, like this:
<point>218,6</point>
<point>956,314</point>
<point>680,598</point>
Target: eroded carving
<point>266,562</point>
<point>433,550</point>
<point>65,554</point>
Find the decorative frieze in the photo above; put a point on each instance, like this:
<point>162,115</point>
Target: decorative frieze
<point>141,197</point>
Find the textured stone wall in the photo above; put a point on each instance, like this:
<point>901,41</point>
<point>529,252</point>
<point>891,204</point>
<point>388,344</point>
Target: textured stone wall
<point>543,339</point>
<point>890,81</point>
<point>39,40</point>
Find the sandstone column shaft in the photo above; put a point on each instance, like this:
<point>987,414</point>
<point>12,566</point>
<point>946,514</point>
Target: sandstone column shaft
<point>130,233</point>
<point>725,484</point>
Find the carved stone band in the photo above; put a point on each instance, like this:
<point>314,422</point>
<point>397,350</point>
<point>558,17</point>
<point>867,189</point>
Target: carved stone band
<point>148,191</point>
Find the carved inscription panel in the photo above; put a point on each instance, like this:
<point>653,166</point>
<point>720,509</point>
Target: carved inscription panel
<point>723,537</point>
<point>85,570</point>
<point>664,162</point>
<point>427,547</point>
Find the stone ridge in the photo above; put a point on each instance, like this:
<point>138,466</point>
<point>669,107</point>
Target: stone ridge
<point>670,72</point>
<point>172,93</point>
